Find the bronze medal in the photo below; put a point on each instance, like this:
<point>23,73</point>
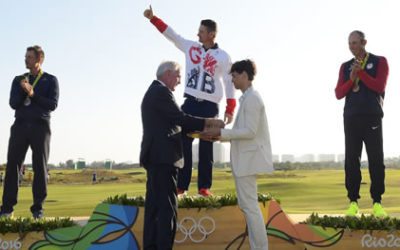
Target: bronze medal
<point>362,62</point>
<point>356,88</point>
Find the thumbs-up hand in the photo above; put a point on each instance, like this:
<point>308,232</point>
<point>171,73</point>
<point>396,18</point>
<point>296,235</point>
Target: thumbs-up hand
<point>148,13</point>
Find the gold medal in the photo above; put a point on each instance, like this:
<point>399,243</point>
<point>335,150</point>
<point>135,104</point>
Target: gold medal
<point>194,135</point>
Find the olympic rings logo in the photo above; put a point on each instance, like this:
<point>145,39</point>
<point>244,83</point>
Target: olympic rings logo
<point>188,227</point>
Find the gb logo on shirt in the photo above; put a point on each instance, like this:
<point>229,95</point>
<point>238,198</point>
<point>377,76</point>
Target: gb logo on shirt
<point>195,54</point>
<point>210,64</point>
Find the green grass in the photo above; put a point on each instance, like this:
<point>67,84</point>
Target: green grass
<point>71,193</point>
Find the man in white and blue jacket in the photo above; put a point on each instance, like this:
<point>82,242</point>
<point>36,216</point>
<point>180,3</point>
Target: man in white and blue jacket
<point>207,79</point>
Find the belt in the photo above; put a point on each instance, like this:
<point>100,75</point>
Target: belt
<point>193,98</point>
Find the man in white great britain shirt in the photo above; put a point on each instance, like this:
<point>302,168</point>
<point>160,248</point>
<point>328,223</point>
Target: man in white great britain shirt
<point>207,79</point>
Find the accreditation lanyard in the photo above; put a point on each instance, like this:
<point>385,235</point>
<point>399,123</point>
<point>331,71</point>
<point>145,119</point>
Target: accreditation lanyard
<point>363,66</point>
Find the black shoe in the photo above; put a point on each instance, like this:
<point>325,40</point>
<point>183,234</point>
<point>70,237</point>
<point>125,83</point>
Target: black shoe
<point>37,215</point>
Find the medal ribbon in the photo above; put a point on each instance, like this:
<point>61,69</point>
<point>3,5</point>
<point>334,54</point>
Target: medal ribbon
<point>37,79</point>
<point>362,67</point>
<point>27,101</point>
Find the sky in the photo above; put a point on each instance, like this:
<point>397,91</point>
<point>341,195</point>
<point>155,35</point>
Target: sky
<point>105,55</point>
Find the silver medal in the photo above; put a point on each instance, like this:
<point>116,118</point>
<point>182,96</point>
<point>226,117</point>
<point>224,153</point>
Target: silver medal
<point>27,101</point>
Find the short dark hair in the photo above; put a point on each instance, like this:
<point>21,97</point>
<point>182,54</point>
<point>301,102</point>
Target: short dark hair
<point>359,33</point>
<point>245,65</point>
<point>209,24</point>
<point>38,51</point>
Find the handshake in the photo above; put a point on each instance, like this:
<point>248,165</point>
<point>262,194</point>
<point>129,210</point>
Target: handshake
<point>211,132</point>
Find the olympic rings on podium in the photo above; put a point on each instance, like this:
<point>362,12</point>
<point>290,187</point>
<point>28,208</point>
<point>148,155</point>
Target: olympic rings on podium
<point>188,227</point>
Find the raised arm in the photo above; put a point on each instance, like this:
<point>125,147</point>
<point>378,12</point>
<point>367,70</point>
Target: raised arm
<point>180,42</point>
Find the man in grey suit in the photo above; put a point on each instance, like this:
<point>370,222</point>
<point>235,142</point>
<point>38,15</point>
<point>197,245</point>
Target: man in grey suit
<point>161,154</point>
<point>250,150</point>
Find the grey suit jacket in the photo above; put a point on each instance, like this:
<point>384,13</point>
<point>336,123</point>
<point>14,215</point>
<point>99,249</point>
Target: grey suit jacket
<point>250,141</point>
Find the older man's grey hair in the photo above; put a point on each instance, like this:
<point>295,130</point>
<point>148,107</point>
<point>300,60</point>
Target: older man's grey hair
<point>165,66</point>
<point>359,33</point>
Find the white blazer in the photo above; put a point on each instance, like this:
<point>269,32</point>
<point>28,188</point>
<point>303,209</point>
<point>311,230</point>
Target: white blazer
<point>250,142</point>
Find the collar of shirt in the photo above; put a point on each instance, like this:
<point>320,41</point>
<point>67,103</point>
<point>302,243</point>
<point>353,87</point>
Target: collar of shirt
<point>244,94</point>
<point>213,47</point>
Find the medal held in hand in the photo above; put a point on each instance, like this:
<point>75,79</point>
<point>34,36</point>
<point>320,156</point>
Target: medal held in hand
<point>27,100</point>
<point>356,86</point>
<point>194,135</point>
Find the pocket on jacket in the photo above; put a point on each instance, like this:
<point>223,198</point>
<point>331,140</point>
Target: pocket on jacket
<point>176,142</point>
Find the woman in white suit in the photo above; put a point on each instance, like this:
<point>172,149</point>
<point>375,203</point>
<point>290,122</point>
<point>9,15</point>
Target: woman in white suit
<point>250,149</point>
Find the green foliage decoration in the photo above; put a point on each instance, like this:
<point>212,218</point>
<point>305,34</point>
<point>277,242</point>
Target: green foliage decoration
<point>363,222</point>
<point>189,201</point>
<point>23,225</point>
